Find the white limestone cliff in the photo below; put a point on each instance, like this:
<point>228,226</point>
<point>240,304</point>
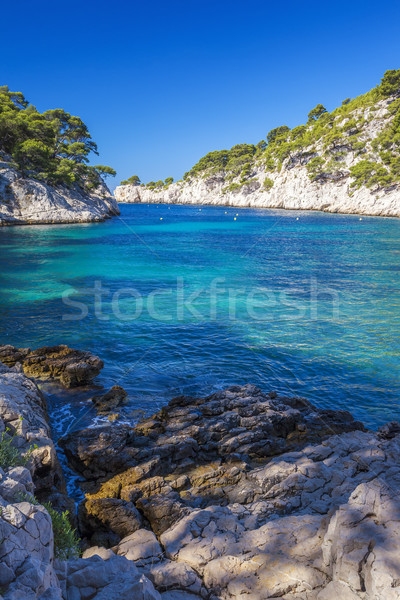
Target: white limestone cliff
<point>28,201</point>
<point>292,187</point>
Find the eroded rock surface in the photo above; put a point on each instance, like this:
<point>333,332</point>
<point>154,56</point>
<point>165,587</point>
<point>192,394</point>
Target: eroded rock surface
<point>71,367</point>
<point>23,412</point>
<point>28,568</point>
<point>247,496</point>
<point>24,200</point>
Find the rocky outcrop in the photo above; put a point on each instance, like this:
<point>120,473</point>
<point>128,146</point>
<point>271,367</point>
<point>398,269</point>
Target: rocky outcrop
<point>29,569</point>
<point>71,367</point>
<point>28,201</point>
<point>247,495</point>
<point>23,413</point>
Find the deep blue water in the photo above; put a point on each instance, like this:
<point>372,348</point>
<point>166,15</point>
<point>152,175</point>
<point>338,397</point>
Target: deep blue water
<point>301,302</point>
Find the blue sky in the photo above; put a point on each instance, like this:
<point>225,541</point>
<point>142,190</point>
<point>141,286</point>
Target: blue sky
<point>162,83</point>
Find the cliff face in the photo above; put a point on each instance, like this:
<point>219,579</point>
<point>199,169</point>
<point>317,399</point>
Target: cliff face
<point>28,201</point>
<point>294,183</point>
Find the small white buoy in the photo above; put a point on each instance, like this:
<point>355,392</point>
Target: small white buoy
<point>297,218</point>
<point>360,219</point>
<point>161,218</point>
<point>226,212</point>
<point>237,214</point>
<point>234,219</point>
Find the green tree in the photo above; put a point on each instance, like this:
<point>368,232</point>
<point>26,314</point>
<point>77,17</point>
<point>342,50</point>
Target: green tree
<point>134,180</point>
<point>169,180</point>
<point>32,154</point>
<point>53,147</point>
<point>105,171</point>
<point>278,134</point>
<point>316,113</point>
<point>261,146</point>
<point>390,83</point>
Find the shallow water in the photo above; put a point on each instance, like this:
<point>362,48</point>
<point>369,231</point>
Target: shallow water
<point>301,302</point>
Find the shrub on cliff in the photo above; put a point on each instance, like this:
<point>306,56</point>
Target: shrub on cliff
<point>370,173</point>
<point>10,455</point>
<point>268,183</point>
<point>66,541</point>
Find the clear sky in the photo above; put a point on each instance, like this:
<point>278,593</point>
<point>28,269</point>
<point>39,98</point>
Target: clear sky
<point>161,83</point>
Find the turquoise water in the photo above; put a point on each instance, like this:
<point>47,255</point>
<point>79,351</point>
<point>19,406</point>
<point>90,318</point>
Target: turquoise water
<point>300,302</point>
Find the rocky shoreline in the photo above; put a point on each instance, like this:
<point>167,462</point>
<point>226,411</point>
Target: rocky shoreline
<point>26,201</point>
<point>292,190</point>
<point>241,495</point>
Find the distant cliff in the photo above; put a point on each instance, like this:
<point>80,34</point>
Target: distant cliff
<point>346,161</point>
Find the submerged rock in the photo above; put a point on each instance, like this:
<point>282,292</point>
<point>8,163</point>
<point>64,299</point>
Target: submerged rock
<point>110,400</point>
<point>71,367</point>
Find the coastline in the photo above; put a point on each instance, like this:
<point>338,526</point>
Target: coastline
<point>240,492</point>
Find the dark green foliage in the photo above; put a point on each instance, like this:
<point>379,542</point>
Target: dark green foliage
<point>390,83</point>
<point>105,171</point>
<point>169,180</point>
<point>66,541</point>
<point>316,113</point>
<point>52,146</point>
<point>219,160</point>
<point>298,132</point>
<point>315,167</point>
<point>329,137</point>
<point>155,184</point>
<point>277,135</point>
<point>261,146</point>
<point>370,174</point>
<point>134,180</point>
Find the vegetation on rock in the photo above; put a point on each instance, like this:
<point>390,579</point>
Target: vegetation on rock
<point>52,146</point>
<point>331,145</point>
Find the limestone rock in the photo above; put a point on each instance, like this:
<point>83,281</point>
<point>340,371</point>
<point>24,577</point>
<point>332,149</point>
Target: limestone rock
<point>141,546</point>
<point>110,514</point>
<point>104,579</point>
<point>23,411</point>
<point>71,367</point>
<point>24,200</point>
